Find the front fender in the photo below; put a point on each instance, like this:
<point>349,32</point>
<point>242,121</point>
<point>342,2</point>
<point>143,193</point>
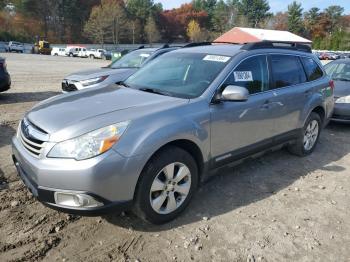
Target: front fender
<point>147,135</point>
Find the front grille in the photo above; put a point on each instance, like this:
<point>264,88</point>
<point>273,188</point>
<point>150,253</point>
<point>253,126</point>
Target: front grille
<point>68,86</point>
<point>31,143</point>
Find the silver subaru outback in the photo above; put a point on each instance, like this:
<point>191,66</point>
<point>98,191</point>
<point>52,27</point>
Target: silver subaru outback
<point>147,143</point>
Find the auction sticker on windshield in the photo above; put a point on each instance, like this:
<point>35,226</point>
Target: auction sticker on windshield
<point>243,76</point>
<point>216,58</point>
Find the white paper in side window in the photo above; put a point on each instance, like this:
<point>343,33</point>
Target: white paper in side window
<point>243,76</point>
<point>216,58</point>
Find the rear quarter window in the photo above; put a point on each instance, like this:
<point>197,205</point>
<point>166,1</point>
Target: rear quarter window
<point>287,70</point>
<point>312,69</point>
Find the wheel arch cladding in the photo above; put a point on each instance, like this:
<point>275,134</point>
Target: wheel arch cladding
<point>187,145</point>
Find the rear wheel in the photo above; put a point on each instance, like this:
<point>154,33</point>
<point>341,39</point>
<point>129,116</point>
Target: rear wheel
<point>308,136</point>
<point>166,185</point>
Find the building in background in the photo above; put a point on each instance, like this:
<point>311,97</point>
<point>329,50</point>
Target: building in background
<point>241,35</point>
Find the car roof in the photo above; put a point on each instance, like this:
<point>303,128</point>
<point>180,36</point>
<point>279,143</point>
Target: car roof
<point>230,49</point>
<point>216,49</point>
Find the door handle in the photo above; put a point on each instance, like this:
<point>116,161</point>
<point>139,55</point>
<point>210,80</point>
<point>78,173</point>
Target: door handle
<point>265,105</point>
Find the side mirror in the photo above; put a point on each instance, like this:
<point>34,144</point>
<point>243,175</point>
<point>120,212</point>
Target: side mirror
<point>235,93</point>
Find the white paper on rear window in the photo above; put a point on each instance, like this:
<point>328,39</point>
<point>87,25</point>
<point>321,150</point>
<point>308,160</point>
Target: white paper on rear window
<point>243,76</point>
<point>216,58</point>
<point>144,55</point>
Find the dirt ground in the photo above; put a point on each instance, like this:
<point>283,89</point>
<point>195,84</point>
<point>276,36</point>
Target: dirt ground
<point>276,208</point>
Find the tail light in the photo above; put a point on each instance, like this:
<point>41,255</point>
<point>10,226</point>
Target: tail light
<point>331,84</point>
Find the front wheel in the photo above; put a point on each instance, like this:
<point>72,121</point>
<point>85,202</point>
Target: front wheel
<point>308,136</point>
<point>166,185</point>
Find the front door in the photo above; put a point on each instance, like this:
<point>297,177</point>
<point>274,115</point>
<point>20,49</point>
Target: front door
<point>240,126</point>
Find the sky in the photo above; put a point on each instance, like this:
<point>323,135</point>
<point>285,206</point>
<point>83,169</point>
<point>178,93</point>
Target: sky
<point>276,5</point>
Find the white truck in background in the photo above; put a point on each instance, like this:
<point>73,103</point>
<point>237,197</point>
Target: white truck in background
<point>96,53</point>
<point>76,51</point>
<point>58,51</point>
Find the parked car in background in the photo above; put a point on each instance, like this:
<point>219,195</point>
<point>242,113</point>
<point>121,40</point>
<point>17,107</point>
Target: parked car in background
<point>15,47</point>
<point>5,79</point>
<point>146,144</point>
<point>339,71</point>
<point>3,46</point>
<point>58,51</point>
<point>107,55</point>
<point>115,72</point>
<point>95,53</point>
<point>76,51</point>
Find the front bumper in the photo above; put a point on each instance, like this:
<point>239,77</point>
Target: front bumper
<point>341,113</point>
<point>109,178</point>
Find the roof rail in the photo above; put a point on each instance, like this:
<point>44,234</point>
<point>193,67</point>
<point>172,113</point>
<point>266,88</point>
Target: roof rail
<point>208,43</point>
<point>140,47</point>
<point>277,44</point>
<point>197,44</point>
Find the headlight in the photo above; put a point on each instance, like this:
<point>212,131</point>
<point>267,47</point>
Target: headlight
<point>92,81</point>
<point>343,100</point>
<point>90,144</point>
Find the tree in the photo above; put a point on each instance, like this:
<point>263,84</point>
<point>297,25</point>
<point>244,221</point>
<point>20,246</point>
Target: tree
<point>209,7</point>
<point>295,18</point>
<point>151,30</point>
<point>311,20</point>
<point>194,31</point>
<point>256,11</point>
<point>107,22</point>
<point>3,3</point>
<point>141,10</point>
<point>175,22</point>
<point>280,21</point>
<point>334,13</point>
<point>220,17</point>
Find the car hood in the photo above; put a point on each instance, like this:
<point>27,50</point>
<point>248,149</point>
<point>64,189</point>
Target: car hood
<point>341,88</point>
<point>121,73</point>
<point>69,115</point>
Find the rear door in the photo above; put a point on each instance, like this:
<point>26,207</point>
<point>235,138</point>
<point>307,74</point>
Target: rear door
<point>291,91</point>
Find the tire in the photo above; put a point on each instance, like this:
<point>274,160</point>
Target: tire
<point>301,147</point>
<point>149,197</point>
<point>70,55</point>
<point>92,57</point>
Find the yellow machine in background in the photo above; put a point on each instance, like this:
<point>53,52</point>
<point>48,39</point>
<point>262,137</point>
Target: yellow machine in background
<point>42,47</point>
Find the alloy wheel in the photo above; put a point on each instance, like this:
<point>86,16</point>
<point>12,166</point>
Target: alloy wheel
<point>170,188</point>
<point>311,134</point>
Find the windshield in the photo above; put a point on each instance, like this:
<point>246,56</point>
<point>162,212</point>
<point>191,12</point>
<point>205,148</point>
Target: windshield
<point>338,71</point>
<point>178,74</point>
<point>133,59</point>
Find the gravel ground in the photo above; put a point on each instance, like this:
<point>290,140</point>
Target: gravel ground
<point>276,208</point>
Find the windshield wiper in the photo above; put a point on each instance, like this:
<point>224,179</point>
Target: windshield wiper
<point>341,79</point>
<point>122,83</point>
<point>155,91</point>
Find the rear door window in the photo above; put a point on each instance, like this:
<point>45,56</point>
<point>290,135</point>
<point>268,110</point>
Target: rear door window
<point>313,71</point>
<point>287,70</point>
<point>252,74</point>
